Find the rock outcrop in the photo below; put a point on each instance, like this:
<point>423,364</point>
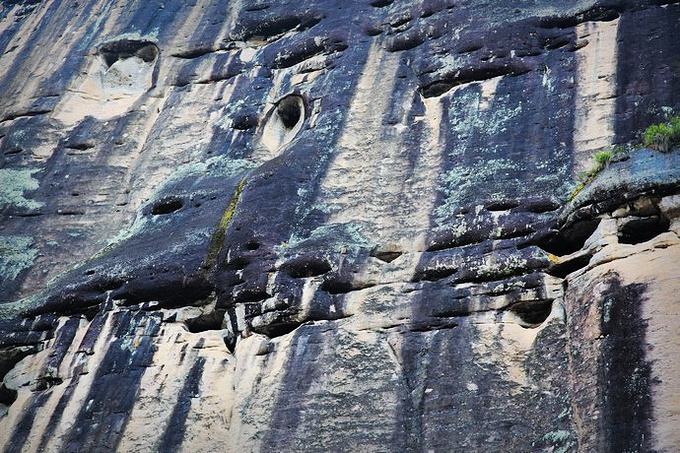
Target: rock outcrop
<point>337,226</point>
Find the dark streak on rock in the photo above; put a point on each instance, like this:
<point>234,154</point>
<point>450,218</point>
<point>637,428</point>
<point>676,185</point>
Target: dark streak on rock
<point>174,431</point>
<point>625,374</point>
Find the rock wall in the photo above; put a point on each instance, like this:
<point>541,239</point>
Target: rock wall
<point>347,226</point>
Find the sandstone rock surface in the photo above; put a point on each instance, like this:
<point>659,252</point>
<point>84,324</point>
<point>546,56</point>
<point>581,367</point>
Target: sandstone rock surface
<point>337,226</point>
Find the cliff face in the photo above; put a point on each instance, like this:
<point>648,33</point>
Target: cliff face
<point>324,225</point>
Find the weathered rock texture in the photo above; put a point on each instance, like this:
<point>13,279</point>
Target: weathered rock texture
<point>337,226</point>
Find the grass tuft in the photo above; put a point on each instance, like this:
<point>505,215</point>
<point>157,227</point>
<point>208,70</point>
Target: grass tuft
<point>663,136</point>
<point>601,159</point>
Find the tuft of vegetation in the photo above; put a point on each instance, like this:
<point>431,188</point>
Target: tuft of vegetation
<point>663,136</point>
<point>600,159</point>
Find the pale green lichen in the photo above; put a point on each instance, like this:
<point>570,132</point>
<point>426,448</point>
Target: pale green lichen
<point>461,181</point>
<point>469,123</point>
<point>16,255</point>
<point>557,436</point>
<point>14,184</point>
<point>346,238</point>
<point>561,439</point>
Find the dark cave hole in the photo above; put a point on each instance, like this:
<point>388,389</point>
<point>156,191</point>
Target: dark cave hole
<point>642,229</point>
<point>306,267</point>
<point>13,151</point>
<point>7,397</point>
<point>289,110</point>
<point>561,270</point>
<point>46,382</point>
<point>532,314</point>
<point>386,256</point>
<point>8,360</point>
<point>209,321</point>
<point>126,48</point>
<point>334,286</point>
<point>167,206</point>
<point>279,329</point>
<point>571,239</point>
<point>238,263</point>
<point>80,146</point>
<point>381,3</point>
<point>252,245</point>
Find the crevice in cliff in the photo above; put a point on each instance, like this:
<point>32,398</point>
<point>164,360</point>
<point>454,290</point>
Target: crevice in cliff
<point>341,286</point>
<point>481,73</point>
<point>305,267</point>
<point>123,49</point>
<point>570,239</point>
<point>283,122</point>
<point>642,229</point>
<point>209,321</point>
<point>568,266</point>
<point>532,314</point>
<point>9,358</point>
<point>595,14</point>
<point>167,205</point>
<point>434,274</point>
<point>24,114</point>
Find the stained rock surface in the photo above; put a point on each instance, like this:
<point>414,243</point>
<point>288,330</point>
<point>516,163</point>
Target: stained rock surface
<point>337,226</point>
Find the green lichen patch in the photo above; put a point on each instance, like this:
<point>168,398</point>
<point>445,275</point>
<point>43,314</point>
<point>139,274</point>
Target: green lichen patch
<point>561,440</point>
<point>218,236</point>
<point>14,184</point>
<point>461,181</point>
<point>346,238</point>
<point>16,255</point>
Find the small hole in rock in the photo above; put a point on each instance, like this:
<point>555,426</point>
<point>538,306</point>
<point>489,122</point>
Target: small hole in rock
<point>289,111</point>
<point>532,314</point>
<point>336,286</point>
<point>642,229</point>
<point>167,206</point>
<point>45,382</point>
<point>570,239</point>
<point>284,122</point>
<point>561,270</point>
<point>306,267</point>
<point>208,321</point>
<point>237,263</point>
<point>387,257</point>
<point>502,205</point>
<point>127,48</point>
<point>7,397</point>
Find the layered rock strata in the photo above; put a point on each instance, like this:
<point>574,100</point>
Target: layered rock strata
<point>344,226</point>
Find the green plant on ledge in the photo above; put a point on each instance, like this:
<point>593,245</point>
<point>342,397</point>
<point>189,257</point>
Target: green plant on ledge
<point>663,136</point>
<point>600,161</point>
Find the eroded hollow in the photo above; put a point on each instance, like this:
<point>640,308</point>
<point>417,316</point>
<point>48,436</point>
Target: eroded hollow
<point>571,239</point>
<point>532,314</point>
<point>305,267</point>
<point>642,229</point>
<point>284,122</point>
<point>167,206</point>
<point>123,49</point>
<point>208,321</point>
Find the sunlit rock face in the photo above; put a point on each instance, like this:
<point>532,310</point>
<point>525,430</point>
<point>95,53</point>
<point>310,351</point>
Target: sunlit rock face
<point>337,226</point>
